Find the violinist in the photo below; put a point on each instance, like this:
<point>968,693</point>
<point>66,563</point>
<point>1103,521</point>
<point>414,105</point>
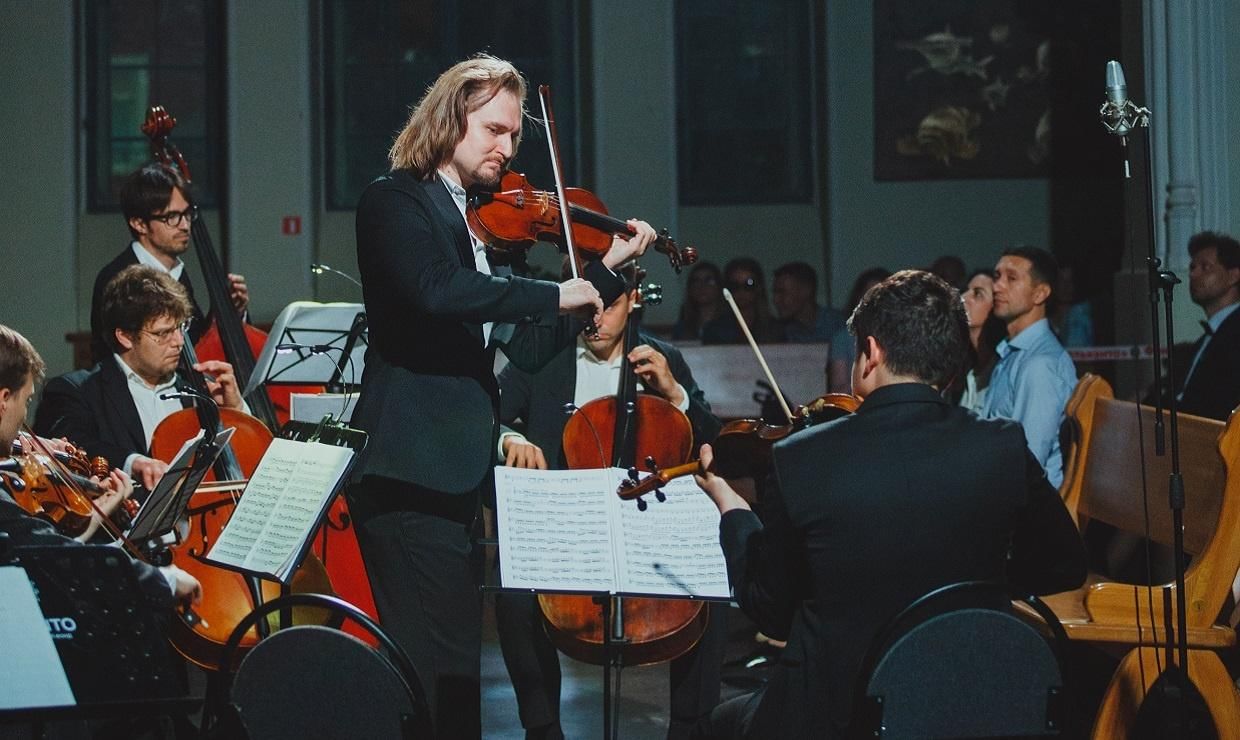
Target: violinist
<point>20,368</point>
<point>869,512</point>
<point>158,211</point>
<point>113,408</point>
<point>437,309</point>
<point>578,374</point>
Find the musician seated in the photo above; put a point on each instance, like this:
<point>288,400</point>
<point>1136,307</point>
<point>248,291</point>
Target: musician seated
<point>20,368</point>
<point>867,513</point>
<point>114,408</point>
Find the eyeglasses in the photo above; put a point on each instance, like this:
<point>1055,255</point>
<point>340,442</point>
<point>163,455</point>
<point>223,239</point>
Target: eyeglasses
<point>164,336</point>
<point>746,284</point>
<point>173,218</point>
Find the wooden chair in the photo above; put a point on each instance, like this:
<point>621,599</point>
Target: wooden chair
<point>1103,481</point>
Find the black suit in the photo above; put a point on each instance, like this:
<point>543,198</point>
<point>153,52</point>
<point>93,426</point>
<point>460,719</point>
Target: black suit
<point>99,348</point>
<point>94,410</point>
<point>538,399</point>
<point>1213,390</point>
<point>867,514</point>
<point>430,401</point>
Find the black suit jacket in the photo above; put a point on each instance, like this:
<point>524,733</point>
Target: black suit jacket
<point>93,409</point>
<point>1213,390</point>
<point>870,512</point>
<point>429,396</point>
<point>99,348</point>
<point>538,399</point>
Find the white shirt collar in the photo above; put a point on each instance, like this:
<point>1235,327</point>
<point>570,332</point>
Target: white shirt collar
<point>584,353</point>
<point>132,376</point>
<point>148,259</point>
<point>1221,315</point>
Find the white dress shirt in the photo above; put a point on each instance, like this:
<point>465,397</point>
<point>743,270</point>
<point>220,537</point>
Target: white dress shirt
<point>151,408</point>
<point>480,251</point>
<point>148,259</point>
<point>1214,322</point>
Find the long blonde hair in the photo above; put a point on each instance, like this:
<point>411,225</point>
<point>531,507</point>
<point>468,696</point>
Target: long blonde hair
<point>437,123</point>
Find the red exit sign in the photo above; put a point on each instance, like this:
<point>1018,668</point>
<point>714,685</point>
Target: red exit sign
<point>290,225</point>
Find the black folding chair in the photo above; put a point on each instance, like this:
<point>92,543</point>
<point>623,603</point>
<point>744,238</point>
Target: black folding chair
<point>957,663</point>
<point>311,681</point>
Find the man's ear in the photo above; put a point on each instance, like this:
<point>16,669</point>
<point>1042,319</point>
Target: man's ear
<point>874,355</point>
<point>124,340</point>
<point>1041,293</point>
<point>138,225</point>
<point>6,394</point>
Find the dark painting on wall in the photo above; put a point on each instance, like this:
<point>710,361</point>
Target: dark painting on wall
<point>961,90</point>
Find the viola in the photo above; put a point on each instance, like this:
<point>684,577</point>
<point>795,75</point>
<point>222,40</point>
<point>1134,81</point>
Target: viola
<point>76,464</point>
<point>516,215</point>
<point>742,449</point>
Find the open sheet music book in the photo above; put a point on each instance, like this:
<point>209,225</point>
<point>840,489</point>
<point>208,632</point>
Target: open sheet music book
<point>566,530</point>
<point>280,508</point>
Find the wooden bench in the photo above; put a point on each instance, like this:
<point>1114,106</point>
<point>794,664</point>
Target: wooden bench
<point>1103,481</point>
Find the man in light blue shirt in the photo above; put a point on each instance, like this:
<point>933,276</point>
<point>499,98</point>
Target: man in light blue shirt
<point>1034,378</point>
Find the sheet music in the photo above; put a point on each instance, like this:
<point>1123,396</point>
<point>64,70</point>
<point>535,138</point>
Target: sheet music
<point>280,506</point>
<point>671,548</point>
<point>555,529</point>
<point>32,675</point>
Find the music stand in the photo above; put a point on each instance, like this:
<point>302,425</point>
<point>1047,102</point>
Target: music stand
<point>313,343</point>
<point>166,504</point>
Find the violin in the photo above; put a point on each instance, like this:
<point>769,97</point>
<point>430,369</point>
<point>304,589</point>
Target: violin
<point>742,449</point>
<point>79,465</point>
<point>516,215</point>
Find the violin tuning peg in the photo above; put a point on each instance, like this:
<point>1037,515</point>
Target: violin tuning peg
<point>634,475</point>
<point>651,464</point>
<point>641,505</point>
<point>688,255</point>
<point>627,484</point>
<point>660,495</point>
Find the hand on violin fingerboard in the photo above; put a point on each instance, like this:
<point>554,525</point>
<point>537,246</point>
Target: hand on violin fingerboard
<point>628,247</point>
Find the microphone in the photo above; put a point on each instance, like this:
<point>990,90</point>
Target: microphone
<point>318,268</point>
<point>1119,114</point>
<point>314,349</point>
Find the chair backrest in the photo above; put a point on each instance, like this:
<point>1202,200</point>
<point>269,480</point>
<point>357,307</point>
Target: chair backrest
<point>1104,482</point>
<point>317,682</point>
<point>956,663</point>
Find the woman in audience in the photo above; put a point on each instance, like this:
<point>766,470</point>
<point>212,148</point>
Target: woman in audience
<point>985,333</point>
<point>843,347</point>
<point>703,301</point>
<point>743,277</point>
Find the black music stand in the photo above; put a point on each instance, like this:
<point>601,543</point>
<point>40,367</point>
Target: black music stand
<point>314,343</point>
<point>167,503</point>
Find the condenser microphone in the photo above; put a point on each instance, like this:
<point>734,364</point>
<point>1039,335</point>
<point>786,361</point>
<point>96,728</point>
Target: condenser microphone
<point>1119,114</point>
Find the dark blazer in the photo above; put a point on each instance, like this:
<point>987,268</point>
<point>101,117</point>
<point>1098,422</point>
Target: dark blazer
<point>429,396</point>
<point>538,399</point>
<point>25,531</point>
<point>869,512</point>
<point>1213,390</point>
<point>99,348</point>
<point>93,409</point>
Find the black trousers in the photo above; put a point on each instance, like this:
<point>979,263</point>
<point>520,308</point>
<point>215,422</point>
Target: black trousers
<point>417,549</point>
<point>534,666</point>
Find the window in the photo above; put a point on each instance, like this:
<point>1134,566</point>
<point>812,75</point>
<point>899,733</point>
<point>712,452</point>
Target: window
<point>380,56</point>
<point>152,52</point>
<point>744,96</point>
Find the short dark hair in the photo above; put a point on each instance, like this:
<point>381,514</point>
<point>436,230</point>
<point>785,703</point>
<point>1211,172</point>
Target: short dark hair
<point>801,272</point>
<point>1227,248</point>
<point>1044,268</point>
<point>138,295</point>
<point>148,190</point>
<point>19,360</point>
<point>919,321</point>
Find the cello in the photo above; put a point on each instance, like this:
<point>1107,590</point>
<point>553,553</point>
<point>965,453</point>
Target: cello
<point>238,343</point>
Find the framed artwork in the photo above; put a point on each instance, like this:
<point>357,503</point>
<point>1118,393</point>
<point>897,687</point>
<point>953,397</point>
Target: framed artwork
<point>961,90</point>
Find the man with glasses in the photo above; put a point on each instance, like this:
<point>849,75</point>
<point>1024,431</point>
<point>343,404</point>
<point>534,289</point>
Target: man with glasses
<point>113,409</point>
<point>158,212</point>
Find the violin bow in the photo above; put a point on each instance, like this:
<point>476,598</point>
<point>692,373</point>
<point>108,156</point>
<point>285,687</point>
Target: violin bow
<point>548,121</point>
<point>727,296</point>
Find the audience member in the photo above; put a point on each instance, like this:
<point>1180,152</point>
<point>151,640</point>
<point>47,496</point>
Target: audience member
<point>743,277</point>
<point>985,333</point>
<point>703,301</point>
<point>842,351</point>
<point>1072,322</point>
<point>1034,376</point>
<point>951,268</point>
<point>1211,386</point>
<point>794,291</point>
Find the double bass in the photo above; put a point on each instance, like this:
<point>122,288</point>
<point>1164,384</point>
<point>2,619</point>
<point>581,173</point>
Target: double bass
<point>238,343</point>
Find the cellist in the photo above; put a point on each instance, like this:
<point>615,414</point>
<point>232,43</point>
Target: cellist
<point>21,368</point>
<point>581,372</point>
<point>438,308</point>
<point>158,211</point>
<point>113,408</point>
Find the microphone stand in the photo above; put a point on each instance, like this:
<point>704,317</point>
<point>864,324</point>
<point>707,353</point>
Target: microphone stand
<point>1121,116</point>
